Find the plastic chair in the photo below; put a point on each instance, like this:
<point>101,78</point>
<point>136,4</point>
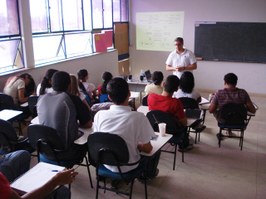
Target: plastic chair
<point>233,117</point>
<point>50,148</point>
<point>9,141</point>
<point>155,117</point>
<point>193,111</point>
<point>32,101</point>
<point>144,101</point>
<point>115,153</point>
<point>7,102</point>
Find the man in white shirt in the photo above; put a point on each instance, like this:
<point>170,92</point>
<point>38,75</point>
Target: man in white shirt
<point>132,126</point>
<point>181,59</point>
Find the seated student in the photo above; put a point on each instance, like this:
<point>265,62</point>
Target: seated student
<point>106,77</point>
<point>87,88</point>
<point>14,164</point>
<point>74,90</point>
<point>156,85</point>
<point>186,87</point>
<point>67,128</point>
<point>46,84</point>
<point>132,126</point>
<point>30,88</point>
<point>61,178</point>
<point>16,86</point>
<point>230,94</point>
<point>166,103</point>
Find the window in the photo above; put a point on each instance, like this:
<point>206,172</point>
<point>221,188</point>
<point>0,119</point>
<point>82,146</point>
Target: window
<point>60,29</point>
<point>10,39</point>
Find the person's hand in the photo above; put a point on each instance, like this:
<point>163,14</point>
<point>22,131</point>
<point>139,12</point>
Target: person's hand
<point>180,68</point>
<point>65,177</point>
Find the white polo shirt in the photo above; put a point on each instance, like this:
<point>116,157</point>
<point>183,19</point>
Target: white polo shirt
<point>132,126</point>
<point>184,59</point>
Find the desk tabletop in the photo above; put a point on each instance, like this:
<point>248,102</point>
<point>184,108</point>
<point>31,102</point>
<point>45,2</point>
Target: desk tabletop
<point>36,177</point>
<point>8,114</point>
<point>144,82</point>
<point>145,110</point>
<point>81,140</point>
<point>157,143</point>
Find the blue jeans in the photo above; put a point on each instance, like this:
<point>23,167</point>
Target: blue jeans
<point>14,164</point>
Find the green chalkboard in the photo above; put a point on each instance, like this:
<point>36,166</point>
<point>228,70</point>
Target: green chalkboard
<point>231,41</point>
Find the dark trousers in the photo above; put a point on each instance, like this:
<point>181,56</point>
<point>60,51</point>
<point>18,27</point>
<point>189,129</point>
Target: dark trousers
<point>150,163</point>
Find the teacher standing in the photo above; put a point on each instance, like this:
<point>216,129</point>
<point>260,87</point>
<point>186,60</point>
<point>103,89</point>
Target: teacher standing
<point>181,59</point>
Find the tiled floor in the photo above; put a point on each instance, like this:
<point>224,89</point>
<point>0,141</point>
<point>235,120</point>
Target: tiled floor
<point>208,171</point>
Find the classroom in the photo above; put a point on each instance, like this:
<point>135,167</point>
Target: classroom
<point>208,171</point>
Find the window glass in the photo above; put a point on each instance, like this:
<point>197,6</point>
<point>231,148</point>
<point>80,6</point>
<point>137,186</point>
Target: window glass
<point>108,18</point>
<point>124,10</point>
<point>39,18</point>
<point>10,53</point>
<point>116,9</point>
<point>55,15</point>
<point>97,15</point>
<point>72,15</point>
<point>87,14</point>
<point>48,48</point>
<point>8,18</point>
<point>78,44</point>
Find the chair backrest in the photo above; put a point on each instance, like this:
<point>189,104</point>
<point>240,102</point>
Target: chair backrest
<point>32,100</point>
<point>191,107</point>
<point>145,100</point>
<point>8,137</point>
<point>155,117</point>
<point>45,133</point>
<point>189,103</point>
<point>6,102</point>
<point>233,114</point>
<point>106,148</point>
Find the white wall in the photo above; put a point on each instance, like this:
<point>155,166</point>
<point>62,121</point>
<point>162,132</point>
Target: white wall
<point>95,65</point>
<point>209,75</point>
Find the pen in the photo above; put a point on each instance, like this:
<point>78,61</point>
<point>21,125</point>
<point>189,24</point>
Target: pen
<point>54,170</point>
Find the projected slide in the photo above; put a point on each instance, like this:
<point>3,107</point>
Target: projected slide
<point>156,31</point>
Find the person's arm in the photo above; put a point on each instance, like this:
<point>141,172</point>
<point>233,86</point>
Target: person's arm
<point>147,147</point>
<point>212,107</point>
<point>191,66</point>
<point>88,124</point>
<point>170,68</point>
<point>250,107</point>
<point>61,178</point>
<point>187,68</point>
<point>183,121</point>
<point>21,96</point>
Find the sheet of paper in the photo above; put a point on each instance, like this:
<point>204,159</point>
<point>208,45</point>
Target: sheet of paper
<point>36,177</point>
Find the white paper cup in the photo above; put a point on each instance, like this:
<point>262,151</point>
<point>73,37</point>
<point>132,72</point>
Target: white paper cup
<point>162,128</point>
